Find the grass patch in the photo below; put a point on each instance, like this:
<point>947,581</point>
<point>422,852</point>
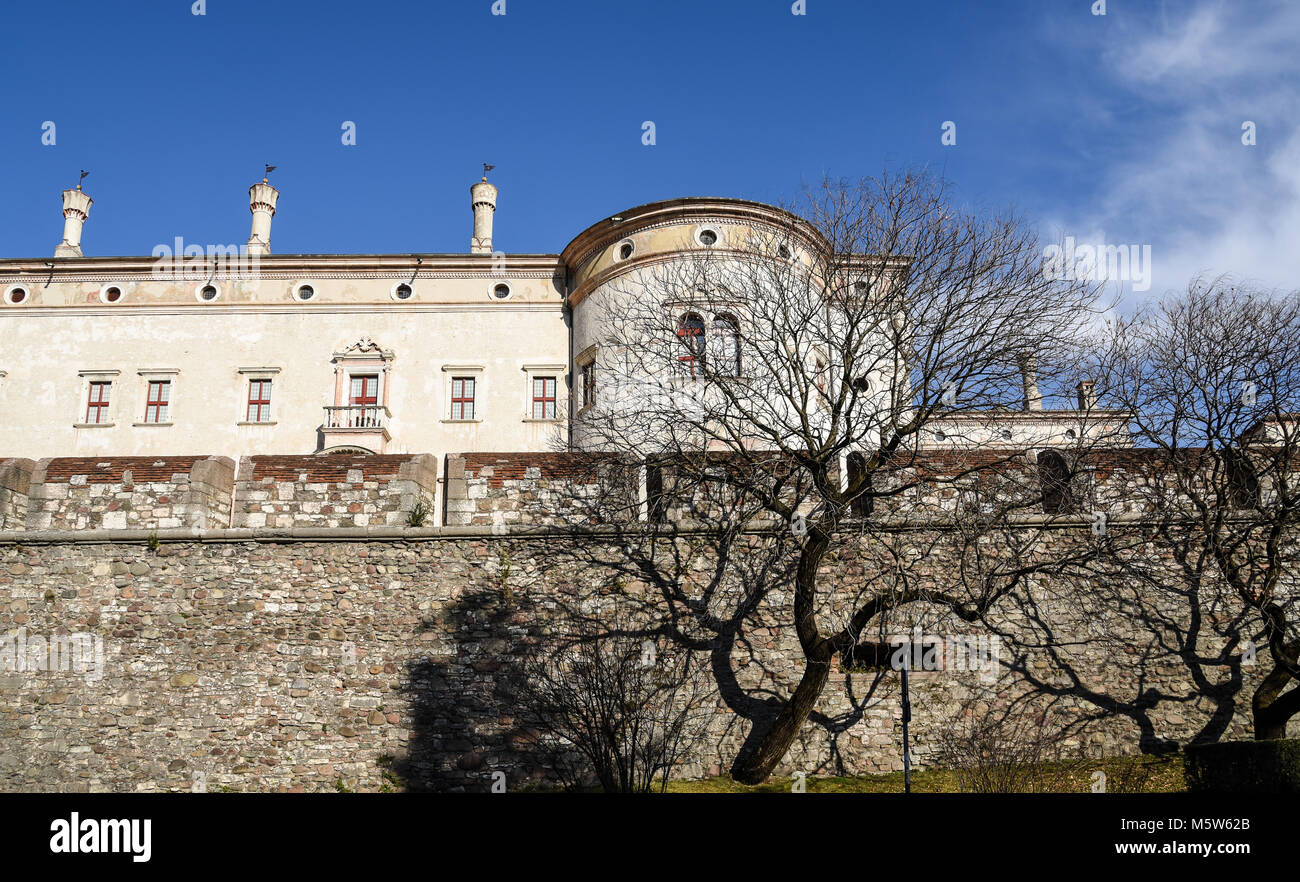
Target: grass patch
<point>1124,774</point>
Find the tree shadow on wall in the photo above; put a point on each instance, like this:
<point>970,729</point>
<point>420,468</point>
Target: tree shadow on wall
<point>1175,648</point>
<point>472,723</point>
<point>466,733</point>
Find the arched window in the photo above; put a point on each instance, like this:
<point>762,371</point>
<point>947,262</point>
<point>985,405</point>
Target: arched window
<point>1054,482</point>
<point>725,346</point>
<point>690,355</point>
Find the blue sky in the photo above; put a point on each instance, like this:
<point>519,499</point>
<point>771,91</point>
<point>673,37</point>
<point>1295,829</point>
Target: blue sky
<point>1123,128</point>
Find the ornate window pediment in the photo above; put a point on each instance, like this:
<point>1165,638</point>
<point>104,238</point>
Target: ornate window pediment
<point>365,348</point>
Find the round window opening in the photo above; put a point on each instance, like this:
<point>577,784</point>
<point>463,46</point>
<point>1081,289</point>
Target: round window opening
<point>625,251</point>
<point>708,237</point>
<point>501,292</point>
<point>112,294</point>
<point>1070,433</point>
<point>306,292</point>
<point>208,292</point>
<point>1006,434</point>
<point>17,295</point>
<point>403,292</point>
<point>785,252</point>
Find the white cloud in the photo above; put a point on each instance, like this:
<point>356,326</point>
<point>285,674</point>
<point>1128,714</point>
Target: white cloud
<point>1188,186</point>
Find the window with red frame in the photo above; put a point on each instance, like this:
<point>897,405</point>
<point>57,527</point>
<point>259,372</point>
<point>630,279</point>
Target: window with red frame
<point>365,389</point>
<point>97,402</point>
<point>259,401</point>
<point>543,398</point>
<point>157,404</point>
<point>364,400</point>
<point>462,398</point>
<point>690,328</point>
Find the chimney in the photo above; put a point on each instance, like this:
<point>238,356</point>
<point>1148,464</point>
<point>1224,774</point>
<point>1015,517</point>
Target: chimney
<point>261,202</point>
<point>1029,377</point>
<point>76,208</point>
<point>1087,390</point>
<point>483,198</point>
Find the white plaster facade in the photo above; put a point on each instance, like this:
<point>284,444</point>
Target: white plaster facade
<point>359,351</point>
<point>63,336</point>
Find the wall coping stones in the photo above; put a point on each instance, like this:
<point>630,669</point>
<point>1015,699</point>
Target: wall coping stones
<point>495,531</point>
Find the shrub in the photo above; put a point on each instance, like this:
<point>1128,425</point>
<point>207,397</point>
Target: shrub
<point>622,711</point>
<point>417,515</point>
<point>1244,766</point>
<point>1016,750</point>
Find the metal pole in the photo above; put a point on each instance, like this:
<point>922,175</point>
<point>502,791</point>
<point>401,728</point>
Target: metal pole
<point>907,717</point>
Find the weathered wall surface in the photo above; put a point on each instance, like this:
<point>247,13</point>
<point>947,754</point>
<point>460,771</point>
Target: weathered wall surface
<point>499,490</point>
<point>510,489</point>
<point>124,492</point>
<point>15,487</point>
<point>384,661</point>
<point>340,490</point>
<point>212,492</point>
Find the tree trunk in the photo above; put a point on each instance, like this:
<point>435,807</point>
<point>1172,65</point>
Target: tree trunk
<point>1273,709</point>
<point>755,767</point>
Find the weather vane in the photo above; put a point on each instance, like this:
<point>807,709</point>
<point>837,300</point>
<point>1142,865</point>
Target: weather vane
<point>82,178</point>
<point>487,168</point>
<point>269,169</point>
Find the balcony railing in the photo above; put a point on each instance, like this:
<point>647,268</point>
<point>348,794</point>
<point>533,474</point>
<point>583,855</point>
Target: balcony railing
<point>356,416</point>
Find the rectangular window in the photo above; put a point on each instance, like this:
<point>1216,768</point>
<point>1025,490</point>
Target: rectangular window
<point>462,398</point>
<point>156,405</point>
<point>365,389</point>
<point>259,401</point>
<point>97,402</point>
<point>364,401</point>
<point>543,398</point>
<point>589,384</point>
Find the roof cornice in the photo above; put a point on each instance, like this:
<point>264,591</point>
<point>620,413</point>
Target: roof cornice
<point>278,266</point>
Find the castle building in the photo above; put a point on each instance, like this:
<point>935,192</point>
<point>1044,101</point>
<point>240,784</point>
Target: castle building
<point>238,351</point>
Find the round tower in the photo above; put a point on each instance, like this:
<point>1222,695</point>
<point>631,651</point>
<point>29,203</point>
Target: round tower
<point>76,208</point>
<point>483,199</point>
<point>636,288</point>
<point>262,198</point>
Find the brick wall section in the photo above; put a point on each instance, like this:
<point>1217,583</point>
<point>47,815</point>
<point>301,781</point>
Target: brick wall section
<point>334,490</point>
<point>505,489</point>
<point>80,493</point>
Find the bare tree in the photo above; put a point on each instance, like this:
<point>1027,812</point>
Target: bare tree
<point>800,376</point>
<point>1020,748</point>
<point>623,711</point>
<point>1212,379</point>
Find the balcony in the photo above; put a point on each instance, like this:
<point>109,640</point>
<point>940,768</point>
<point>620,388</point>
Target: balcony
<point>359,425</point>
<point>356,416</point>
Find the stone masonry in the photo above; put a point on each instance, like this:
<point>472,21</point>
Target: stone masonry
<point>115,493</point>
<point>344,648</point>
<point>340,490</point>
